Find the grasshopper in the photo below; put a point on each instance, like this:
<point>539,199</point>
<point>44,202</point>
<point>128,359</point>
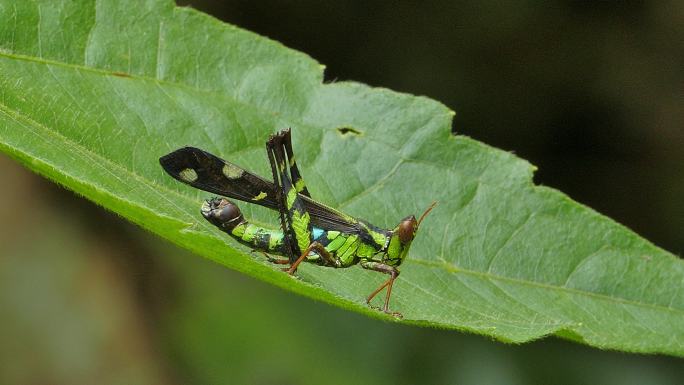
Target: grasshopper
<point>309,231</point>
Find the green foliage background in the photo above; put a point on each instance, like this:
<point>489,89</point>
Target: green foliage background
<point>194,329</point>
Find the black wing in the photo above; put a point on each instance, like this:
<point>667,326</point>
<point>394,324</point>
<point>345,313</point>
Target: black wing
<point>208,172</point>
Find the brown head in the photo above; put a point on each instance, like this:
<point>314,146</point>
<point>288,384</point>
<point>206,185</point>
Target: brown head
<point>406,230</point>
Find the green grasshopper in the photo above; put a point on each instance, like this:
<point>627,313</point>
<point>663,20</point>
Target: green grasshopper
<point>310,231</point>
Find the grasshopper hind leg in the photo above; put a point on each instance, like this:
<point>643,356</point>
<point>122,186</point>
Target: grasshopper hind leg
<point>294,218</point>
<point>326,258</point>
<point>297,179</point>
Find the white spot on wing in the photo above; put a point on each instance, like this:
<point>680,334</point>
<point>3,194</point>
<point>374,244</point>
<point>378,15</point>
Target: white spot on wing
<point>232,172</point>
<point>188,175</point>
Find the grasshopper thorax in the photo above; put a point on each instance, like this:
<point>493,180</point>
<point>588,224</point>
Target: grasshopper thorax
<point>222,213</point>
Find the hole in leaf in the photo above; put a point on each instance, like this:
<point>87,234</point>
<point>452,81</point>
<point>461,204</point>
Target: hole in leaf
<point>348,130</point>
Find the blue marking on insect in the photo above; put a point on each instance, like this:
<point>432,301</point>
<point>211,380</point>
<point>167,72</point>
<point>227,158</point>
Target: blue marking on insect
<point>317,233</point>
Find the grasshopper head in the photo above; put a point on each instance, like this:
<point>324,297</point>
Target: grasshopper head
<point>402,237</point>
<point>406,230</point>
<point>222,213</point>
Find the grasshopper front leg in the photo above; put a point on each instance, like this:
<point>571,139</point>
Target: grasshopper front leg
<point>393,273</point>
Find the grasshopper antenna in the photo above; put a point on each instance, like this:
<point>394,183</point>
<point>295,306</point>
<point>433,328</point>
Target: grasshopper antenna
<point>427,211</point>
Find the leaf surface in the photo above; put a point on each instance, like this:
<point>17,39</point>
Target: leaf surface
<point>92,93</point>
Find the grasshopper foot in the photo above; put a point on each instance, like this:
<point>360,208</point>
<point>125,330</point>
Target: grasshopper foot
<point>394,314</point>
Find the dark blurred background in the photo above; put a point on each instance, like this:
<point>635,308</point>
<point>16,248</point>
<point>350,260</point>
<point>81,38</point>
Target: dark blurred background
<point>590,92</point>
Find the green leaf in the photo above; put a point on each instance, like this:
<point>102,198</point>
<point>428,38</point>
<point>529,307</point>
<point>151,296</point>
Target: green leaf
<point>93,92</point>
